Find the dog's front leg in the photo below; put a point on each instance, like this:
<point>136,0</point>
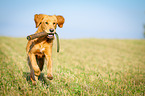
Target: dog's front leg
<point>48,55</point>
<point>34,65</point>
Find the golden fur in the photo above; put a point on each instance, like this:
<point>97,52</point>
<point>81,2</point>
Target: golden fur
<point>40,48</point>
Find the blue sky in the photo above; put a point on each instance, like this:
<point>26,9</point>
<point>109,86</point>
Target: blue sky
<point>121,19</point>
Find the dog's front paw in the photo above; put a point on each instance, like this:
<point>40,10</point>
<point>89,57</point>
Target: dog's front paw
<point>33,81</point>
<point>50,77</point>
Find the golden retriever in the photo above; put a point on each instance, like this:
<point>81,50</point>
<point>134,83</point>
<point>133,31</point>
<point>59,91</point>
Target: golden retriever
<point>40,48</point>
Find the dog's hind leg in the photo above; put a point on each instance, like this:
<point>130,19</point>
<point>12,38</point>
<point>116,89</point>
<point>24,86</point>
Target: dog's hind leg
<point>40,62</point>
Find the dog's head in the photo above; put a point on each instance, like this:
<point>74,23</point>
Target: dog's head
<point>47,23</point>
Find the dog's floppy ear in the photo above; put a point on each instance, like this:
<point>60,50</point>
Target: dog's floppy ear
<point>60,21</point>
<point>38,19</point>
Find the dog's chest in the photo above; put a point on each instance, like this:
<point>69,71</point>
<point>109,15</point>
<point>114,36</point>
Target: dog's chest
<point>41,48</point>
<point>40,52</point>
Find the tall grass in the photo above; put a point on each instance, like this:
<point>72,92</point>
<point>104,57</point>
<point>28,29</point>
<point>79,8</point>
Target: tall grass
<point>83,67</point>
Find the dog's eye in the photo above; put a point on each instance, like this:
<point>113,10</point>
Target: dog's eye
<point>46,22</point>
<point>54,23</point>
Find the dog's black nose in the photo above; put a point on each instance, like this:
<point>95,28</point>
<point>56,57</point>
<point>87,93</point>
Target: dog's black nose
<point>51,30</point>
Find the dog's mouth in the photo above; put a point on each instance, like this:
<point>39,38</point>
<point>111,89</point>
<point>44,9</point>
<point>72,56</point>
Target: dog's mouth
<point>50,35</point>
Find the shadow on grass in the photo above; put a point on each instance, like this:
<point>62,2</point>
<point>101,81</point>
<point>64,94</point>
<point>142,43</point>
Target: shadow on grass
<point>41,78</point>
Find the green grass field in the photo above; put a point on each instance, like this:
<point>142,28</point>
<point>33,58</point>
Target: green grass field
<point>83,67</point>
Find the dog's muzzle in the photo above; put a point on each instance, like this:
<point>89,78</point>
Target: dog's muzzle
<point>50,35</point>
